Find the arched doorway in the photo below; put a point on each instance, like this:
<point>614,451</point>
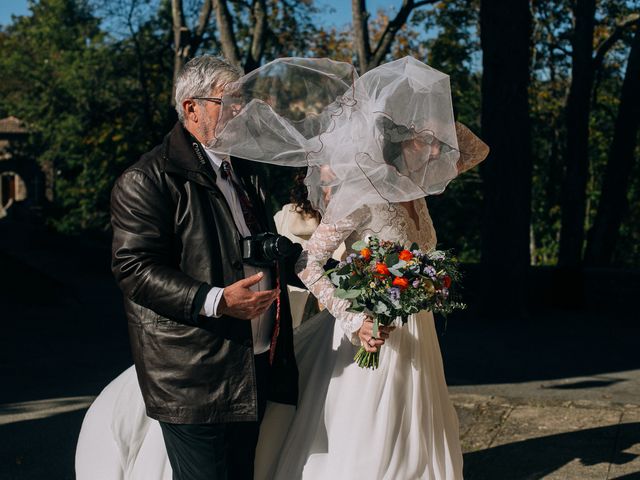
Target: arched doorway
<point>12,189</point>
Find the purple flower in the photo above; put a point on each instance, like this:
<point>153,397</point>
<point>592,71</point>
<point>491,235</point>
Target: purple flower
<point>416,253</point>
<point>429,270</point>
<point>394,293</point>
<point>416,283</point>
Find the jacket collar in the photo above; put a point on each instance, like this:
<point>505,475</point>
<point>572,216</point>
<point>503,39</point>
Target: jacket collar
<point>183,155</point>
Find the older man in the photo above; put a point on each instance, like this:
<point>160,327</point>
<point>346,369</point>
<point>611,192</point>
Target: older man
<point>211,337</point>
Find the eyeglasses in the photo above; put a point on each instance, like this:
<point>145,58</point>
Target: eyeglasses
<point>216,100</point>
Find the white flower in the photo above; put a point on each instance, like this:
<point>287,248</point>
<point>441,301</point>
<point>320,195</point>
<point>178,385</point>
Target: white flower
<point>436,255</point>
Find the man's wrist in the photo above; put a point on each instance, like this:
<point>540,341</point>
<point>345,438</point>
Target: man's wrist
<point>219,304</point>
<point>211,306</point>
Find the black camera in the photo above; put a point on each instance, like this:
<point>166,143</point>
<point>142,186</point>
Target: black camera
<point>265,249</point>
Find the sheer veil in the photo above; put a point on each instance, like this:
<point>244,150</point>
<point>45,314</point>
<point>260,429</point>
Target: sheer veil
<point>385,137</point>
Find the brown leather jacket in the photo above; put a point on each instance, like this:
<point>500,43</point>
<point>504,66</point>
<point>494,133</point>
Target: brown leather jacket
<point>174,237</point>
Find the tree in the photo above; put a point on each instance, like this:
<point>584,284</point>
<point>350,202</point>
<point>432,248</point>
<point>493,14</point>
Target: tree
<point>506,29</point>
<point>244,32</point>
<point>584,67</point>
<point>453,46</point>
<point>577,142</point>
<point>614,198</point>
<point>185,40</point>
<point>78,93</point>
<point>369,58</point>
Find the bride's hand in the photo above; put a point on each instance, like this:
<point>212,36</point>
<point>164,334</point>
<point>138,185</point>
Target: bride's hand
<point>365,333</point>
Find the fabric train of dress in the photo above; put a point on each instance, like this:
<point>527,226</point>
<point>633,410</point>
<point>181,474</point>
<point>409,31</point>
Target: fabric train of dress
<point>394,423</point>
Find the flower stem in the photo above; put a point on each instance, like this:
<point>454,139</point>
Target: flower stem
<point>366,359</point>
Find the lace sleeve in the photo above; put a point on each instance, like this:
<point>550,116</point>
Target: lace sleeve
<point>324,241</point>
<point>472,149</point>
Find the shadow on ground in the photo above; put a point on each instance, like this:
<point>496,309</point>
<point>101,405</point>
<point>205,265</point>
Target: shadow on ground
<point>43,448</point>
<point>535,458</point>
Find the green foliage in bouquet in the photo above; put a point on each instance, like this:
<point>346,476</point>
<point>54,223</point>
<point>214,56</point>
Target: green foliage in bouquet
<point>387,281</point>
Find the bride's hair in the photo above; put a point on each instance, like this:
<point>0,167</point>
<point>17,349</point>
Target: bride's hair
<point>299,196</point>
<point>391,138</point>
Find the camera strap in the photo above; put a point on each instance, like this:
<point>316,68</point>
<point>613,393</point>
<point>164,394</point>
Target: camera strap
<point>276,326</point>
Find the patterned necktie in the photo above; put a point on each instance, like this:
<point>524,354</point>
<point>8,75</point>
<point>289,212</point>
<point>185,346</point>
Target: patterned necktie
<point>245,203</point>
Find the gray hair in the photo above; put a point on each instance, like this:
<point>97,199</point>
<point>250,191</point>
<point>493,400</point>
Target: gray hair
<point>202,75</point>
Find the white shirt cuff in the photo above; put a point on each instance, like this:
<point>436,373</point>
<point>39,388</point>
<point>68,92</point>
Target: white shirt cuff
<point>210,307</point>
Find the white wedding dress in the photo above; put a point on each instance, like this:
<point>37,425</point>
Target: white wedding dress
<point>393,423</point>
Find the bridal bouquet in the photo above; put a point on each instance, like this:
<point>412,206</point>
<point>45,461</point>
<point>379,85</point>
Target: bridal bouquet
<point>387,281</point>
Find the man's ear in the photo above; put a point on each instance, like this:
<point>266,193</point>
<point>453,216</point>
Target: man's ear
<point>188,107</point>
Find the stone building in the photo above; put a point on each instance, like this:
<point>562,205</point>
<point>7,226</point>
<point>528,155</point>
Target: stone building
<point>22,181</point>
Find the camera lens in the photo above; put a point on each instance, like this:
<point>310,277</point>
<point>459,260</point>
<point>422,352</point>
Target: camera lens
<point>277,247</point>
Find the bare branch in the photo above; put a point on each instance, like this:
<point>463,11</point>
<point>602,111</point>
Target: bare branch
<point>180,41</point>
<point>179,28</point>
<point>254,55</point>
<point>203,22</point>
<point>611,40</point>
<point>361,33</point>
<point>384,45</point>
<point>425,2</point>
<point>227,36</point>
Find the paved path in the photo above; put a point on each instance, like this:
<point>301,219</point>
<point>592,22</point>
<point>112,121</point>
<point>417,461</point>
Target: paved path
<point>502,438</point>
<point>522,439</point>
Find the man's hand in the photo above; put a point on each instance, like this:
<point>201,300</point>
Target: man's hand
<point>240,302</point>
<point>368,341</point>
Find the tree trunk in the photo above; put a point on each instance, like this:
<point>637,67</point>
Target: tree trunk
<point>254,56</point>
<point>577,147</point>
<point>368,59</point>
<point>185,43</point>
<point>361,33</point>
<point>227,36</point>
<point>613,200</point>
<point>506,30</point>
<point>180,42</point>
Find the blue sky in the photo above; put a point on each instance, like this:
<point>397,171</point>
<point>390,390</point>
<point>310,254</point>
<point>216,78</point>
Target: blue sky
<point>9,7</point>
<point>335,12</point>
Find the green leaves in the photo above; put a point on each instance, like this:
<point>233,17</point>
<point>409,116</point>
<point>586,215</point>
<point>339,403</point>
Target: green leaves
<point>395,268</point>
<point>391,259</point>
<point>347,294</point>
<point>86,99</point>
<point>381,308</point>
<point>359,245</point>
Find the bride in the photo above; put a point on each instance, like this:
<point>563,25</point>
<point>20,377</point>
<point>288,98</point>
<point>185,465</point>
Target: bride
<point>374,147</point>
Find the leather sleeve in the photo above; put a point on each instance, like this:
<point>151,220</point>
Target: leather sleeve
<point>143,260</point>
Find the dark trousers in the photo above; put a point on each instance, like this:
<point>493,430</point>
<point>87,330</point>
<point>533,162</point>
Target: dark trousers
<point>218,451</point>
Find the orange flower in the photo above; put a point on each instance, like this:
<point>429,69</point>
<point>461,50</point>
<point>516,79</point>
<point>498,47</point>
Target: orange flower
<point>405,255</point>
<point>401,282</point>
<point>447,281</point>
<point>366,254</point>
<point>382,269</point>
